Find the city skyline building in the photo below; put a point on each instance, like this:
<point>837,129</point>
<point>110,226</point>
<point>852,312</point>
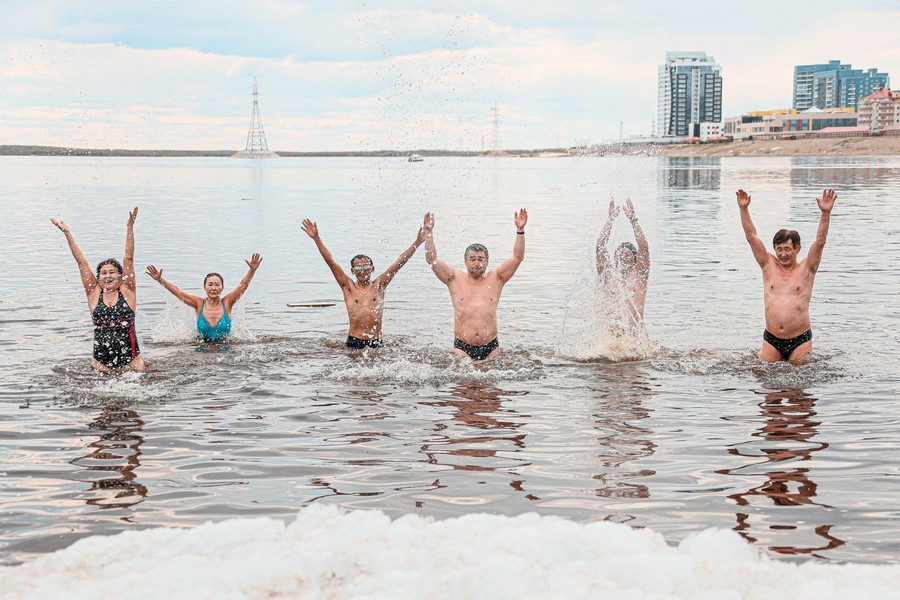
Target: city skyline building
<point>689,93</point>
<point>880,110</point>
<point>834,85</point>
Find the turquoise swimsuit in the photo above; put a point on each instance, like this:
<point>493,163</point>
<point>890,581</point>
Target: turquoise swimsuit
<point>210,333</point>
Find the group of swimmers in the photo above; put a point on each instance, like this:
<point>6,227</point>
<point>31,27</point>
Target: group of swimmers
<point>474,291</point>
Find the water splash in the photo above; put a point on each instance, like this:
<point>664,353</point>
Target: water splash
<point>178,323</point>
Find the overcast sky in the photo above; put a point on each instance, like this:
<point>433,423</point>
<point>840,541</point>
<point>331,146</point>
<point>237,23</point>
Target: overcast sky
<point>354,75</point>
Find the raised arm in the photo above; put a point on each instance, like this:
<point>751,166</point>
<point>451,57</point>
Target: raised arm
<point>443,271</point>
<point>88,279</point>
<point>826,203</point>
<point>189,299</point>
<point>128,278</point>
<point>603,238</point>
<point>312,230</point>
<point>643,255</point>
<point>385,278</point>
<point>234,295</point>
<point>509,266</point>
<point>756,245</point>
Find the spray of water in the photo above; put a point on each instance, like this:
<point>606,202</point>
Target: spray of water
<point>179,323</point>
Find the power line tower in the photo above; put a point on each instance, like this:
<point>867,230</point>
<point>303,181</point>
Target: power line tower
<point>495,143</point>
<point>256,137</point>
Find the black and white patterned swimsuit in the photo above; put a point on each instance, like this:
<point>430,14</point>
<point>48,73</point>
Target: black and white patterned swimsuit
<point>115,342</point>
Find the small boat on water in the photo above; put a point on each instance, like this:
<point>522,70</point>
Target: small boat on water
<point>415,158</point>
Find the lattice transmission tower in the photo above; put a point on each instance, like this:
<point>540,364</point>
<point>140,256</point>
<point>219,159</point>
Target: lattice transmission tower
<point>496,142</point>
<point>256,136</point>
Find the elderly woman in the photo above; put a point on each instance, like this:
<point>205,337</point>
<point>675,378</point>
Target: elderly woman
<point>112,301</point>
<point>214,311</point>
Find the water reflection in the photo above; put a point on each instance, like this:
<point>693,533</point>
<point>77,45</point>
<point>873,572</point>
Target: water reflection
<point>621,440</point>
<point>479,406</point>
<point>690,173</point>
<point>812,173</point>
<point>784,440</point>
<point>114,458</point>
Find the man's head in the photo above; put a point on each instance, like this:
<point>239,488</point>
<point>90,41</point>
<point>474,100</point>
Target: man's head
<point>787,246</point>
<point>213,284</point>
<point>362,266</point>
<point>109,274</point>
<point>625,257</point>
<point>476,258</point>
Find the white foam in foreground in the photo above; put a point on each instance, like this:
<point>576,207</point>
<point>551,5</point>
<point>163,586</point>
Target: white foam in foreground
<point>331,553</point>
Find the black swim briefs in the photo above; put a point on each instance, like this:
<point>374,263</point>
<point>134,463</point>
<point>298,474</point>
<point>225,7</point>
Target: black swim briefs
<point>476,352</point>
<point>786,347</point>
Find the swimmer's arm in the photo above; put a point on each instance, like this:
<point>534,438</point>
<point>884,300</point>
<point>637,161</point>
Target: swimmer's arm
<point>312,230</point>
<point>189,299</point>
<point>385,278</point>
<point>128,277</point>
<point>603,239</point>
<point>756,244</point>
<point>88,279</point>
<point>232,297</point>
<point>509,266</point>
<point>444,272</point>
<point>826,203</point>
<point>643,256</point>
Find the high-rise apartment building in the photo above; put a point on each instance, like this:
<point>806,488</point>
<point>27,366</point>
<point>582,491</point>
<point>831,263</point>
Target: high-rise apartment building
<point>834,85</point>
<point>690,93</point>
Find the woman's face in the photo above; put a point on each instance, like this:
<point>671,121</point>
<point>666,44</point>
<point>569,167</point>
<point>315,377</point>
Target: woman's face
<point>213,286</point>
<point>109,277</point>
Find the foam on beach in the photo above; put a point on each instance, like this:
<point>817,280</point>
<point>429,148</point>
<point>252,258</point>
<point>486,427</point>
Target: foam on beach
<point>330,552</point>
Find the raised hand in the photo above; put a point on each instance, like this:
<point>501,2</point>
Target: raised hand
<point>826,202</point>
<point>521,218</point>
<point>428,223</point>
<point>132,216</point>
<point>61,225</point>
<point>743,199</point>
<point>154,273</point>
<point>310,228</point>
<point>254,261</point>
<point>423,233</point>
<point>613,210</point>
<point>629,210</point>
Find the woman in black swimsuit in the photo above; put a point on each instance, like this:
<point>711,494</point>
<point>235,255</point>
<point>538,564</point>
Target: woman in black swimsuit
<point>112,300</point>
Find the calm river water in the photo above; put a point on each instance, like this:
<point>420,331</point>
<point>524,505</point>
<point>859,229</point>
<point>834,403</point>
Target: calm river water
<point>692,433</point>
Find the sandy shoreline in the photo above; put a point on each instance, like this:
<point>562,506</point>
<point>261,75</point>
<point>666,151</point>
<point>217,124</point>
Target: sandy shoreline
<point>849,146</point>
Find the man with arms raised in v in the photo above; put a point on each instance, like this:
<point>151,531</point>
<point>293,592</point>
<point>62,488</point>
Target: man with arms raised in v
<point>475,292</point>
<point>787,283</point>
<point>624,284</point>
<point>364,297</point>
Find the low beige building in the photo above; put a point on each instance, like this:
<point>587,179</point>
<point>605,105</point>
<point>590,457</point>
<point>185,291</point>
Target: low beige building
<point>880,111</point>
<point>788,122</point>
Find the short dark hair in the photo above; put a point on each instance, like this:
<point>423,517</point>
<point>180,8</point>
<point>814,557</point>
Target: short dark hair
<point>362,256</point>
<point>784,235</point>
<point>208,275</point>
<point>109,261</point>
<point>476,248</point>
<point>628,245</point>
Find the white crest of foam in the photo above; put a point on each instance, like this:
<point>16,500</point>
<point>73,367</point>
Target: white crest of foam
<point>329,552</point>
<point>178,323</point>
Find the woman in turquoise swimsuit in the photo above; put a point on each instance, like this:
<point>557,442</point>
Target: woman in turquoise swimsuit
<point>214,311</point>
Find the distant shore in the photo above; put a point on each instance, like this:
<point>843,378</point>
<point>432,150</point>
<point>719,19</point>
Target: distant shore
<point>848,146</point>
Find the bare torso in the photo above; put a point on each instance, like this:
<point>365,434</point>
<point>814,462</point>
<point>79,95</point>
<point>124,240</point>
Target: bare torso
<point>625,294</point>
<point>365,309</point>
<point>475,306</point>
<point>787,292</point>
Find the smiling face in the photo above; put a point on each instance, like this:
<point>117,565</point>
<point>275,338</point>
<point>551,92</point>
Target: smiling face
<point>213,285</point>
<point>362,267</point>
<point>786,253</point>
<point>109,275</point>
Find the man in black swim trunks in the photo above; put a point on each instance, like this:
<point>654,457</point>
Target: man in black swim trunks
<point>475,292</point>
<point>787,283</point>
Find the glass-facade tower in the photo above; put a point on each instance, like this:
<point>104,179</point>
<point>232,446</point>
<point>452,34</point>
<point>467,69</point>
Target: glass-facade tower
<point>834,85</point>
<point>690,91</point>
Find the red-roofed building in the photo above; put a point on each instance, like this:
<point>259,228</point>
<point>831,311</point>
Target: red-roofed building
<point>880,110</point>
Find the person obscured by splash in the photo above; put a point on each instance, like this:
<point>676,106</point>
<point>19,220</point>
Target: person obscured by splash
<point>364,297</point>
<point>624,282</point>
<point>787,283</point>
<point>213,312</point>
<point>112,302</point>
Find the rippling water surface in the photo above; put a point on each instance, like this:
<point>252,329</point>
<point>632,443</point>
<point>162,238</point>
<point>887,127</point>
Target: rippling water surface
<point>689,433</point>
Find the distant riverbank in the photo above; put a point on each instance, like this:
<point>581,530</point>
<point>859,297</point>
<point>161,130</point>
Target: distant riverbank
<point>849,146</point>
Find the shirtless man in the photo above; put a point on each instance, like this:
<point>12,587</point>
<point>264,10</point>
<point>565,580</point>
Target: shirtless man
<point>364,297</point>
<point>788,284</point>
<point>628,280</point>
<point>475,292</point>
